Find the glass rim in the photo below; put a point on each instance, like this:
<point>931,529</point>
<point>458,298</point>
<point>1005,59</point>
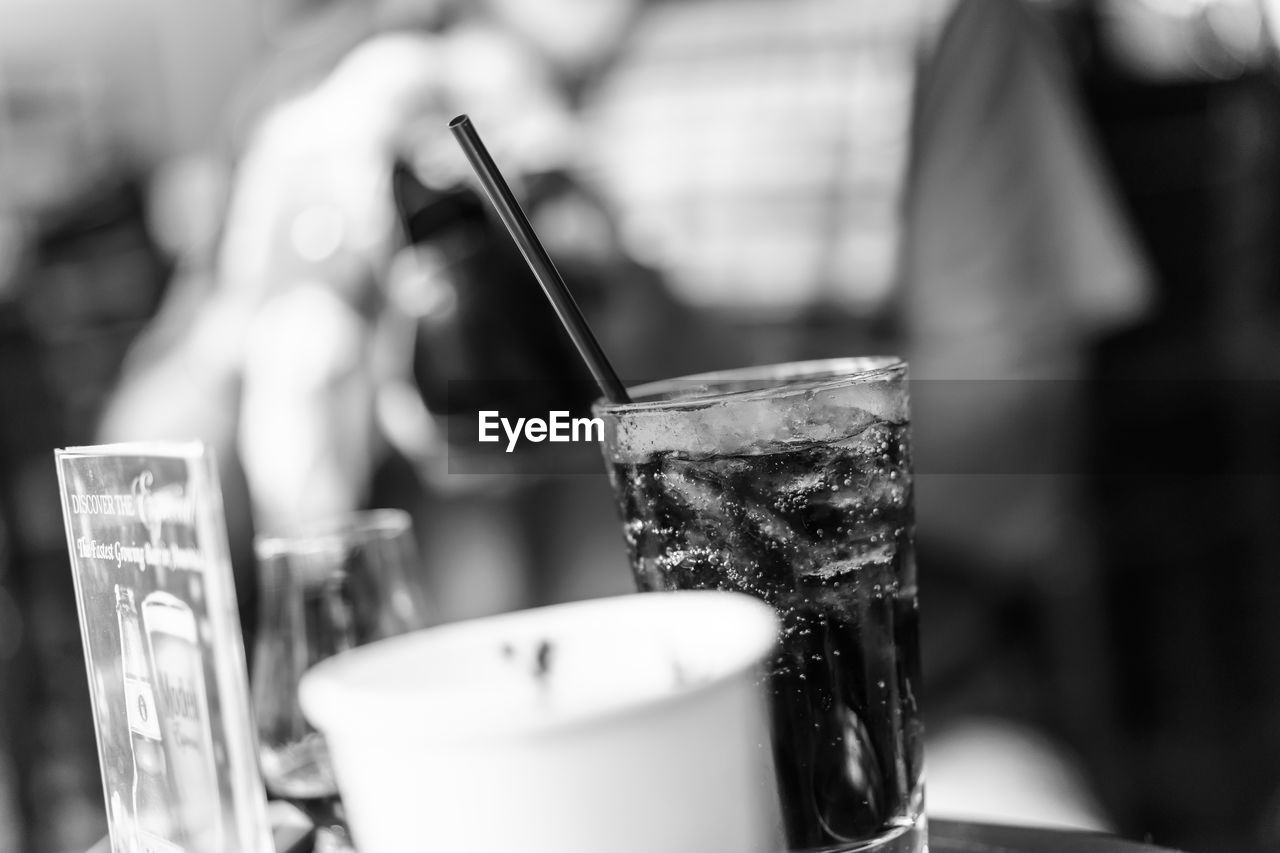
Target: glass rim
<point>704,389</point>
<point>332,532</point>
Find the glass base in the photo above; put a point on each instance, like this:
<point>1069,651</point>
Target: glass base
<point>913,838</point>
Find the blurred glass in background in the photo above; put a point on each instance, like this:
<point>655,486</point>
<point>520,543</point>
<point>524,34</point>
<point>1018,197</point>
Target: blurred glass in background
<point>1046,206</point>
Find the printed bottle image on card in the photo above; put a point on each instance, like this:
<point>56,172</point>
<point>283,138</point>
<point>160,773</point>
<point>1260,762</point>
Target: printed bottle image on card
<point>148,546</point>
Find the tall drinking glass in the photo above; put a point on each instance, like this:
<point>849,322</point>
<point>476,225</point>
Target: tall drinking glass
<point>326,586</point>
<point>793,483</point>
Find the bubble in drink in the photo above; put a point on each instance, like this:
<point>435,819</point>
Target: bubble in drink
<point>822,530</point>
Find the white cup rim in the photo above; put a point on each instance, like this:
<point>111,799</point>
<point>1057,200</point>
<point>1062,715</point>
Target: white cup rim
<point>371,693</point>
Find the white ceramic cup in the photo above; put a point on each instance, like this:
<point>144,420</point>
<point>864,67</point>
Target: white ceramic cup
<point>632,724</point>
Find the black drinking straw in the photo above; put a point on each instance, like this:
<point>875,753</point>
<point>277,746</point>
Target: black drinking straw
<point>500,195</point>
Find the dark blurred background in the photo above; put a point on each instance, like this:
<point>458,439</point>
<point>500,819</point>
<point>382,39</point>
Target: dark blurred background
<point>118,120</point>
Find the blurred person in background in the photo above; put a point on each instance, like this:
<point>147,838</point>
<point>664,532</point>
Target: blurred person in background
<point>1183,92</point>
<point>806,180</point>
<point>1184,97</point>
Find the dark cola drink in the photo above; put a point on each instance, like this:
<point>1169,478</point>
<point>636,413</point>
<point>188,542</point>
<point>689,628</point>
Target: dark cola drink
<point>794,485</point>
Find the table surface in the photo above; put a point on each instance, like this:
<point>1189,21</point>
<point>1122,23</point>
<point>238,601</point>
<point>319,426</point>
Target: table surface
<point>948,836</point>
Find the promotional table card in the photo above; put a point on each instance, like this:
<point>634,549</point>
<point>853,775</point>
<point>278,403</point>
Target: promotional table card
<point>167,677</point>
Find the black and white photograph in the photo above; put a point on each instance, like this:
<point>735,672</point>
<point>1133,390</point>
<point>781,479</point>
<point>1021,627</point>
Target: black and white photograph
<point>640,426</point>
